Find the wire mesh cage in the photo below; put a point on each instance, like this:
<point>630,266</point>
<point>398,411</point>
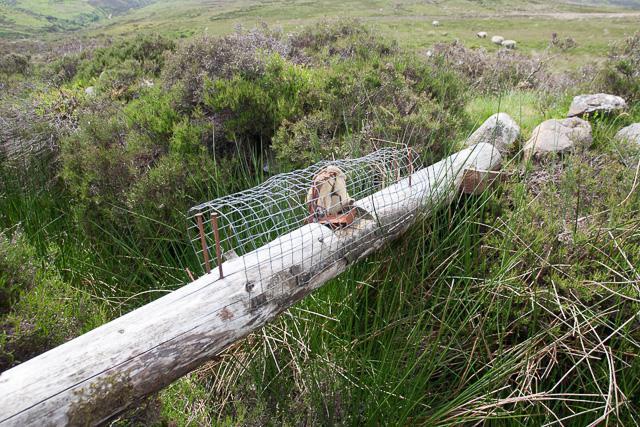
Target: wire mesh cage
<point>324,194</point>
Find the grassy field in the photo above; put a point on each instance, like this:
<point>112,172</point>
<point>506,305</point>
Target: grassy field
<point>409,22</point>
<point>36,18</point>
<point>531,24</point>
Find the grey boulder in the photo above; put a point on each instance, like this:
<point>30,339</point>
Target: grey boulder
<point>630,133</point>
<point>587,104</point>
<point>499,130</point>
<point>557,136</point>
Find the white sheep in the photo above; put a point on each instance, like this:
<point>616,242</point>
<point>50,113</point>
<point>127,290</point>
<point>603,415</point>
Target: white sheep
<point>509,44</point>
<point>436,23</point>
<point>497,39</point>
<point>482,35</point>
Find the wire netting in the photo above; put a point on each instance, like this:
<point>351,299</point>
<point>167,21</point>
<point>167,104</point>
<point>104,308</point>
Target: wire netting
<point>324,193</point>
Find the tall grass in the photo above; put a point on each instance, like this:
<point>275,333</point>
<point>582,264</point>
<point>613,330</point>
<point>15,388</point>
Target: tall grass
<point>480,314</point>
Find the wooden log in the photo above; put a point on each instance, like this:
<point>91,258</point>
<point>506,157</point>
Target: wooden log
<point>477,181</point>
<point>96,376</point>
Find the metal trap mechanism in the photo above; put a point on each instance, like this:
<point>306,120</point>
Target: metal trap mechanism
<point>323,193</point>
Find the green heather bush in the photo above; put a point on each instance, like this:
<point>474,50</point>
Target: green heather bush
<point>154,115</point>
<point>17,269</point>
<point>242,54</point>
<point>63,70</point>
<point>119,81</point>
<point>37,309</point>
<point>191,136</point>
<point>366,104</point>
<point>621,73</point>
<point>308,139</point>
<point>98,165</point>
<point>255,107</point>
<point>50,314</point>
<point>333,89</point>
<point>133,167</point>
<point>342,40</point>
<point>147,52</point>
<point>115,147</point>
<point>15,63</point>
<point>160,199</point>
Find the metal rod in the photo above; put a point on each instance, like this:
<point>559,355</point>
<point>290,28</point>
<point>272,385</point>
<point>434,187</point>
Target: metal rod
<point>396,168</point>
<point>203,241</point>
<point>410,165</point>
<point>216,235</point>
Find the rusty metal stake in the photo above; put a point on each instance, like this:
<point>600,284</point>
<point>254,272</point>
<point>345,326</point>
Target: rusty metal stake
<point>203,241</point>
<point>396,168</point>
<point>216,235</point>
<point>410,165</point>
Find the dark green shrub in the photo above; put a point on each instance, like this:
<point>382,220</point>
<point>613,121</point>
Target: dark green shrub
<point>620,75</point>
<point>64,69</point>
<point>37,309</point>
<point>129,169</point>
<point>98,165</point>
<point>15,63</point>
<point>153,114</point>
<point>362,105</point>
<point>239,55</point>
<point>255,107</point>
<point>160,198</point>
<point>119,81</point>
<point>17,268</point>
<point>354,88</point>
<point>307,140</point>
<point>191,136</point>
<point>342,39</point>
<point>146,51</point>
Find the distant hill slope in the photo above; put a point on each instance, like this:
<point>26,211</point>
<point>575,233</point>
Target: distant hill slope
<point>629,4</point>
<point>23,18</point>
<point>409,20</point>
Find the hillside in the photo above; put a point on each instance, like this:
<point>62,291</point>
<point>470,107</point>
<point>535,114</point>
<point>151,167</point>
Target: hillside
<point>630,4</point>
<point>27,18</point>
<point>593,25</point>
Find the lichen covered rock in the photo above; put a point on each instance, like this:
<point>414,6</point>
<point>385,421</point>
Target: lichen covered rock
<point>556,136</point>
<point>597,102</point>
<point>630,133</point>
<point>499,130</point>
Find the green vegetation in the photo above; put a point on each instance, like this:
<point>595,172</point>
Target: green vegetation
<point>517,306</point>
<point>19,18</point>
<point>622,72</point>
<point>531,23</point>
